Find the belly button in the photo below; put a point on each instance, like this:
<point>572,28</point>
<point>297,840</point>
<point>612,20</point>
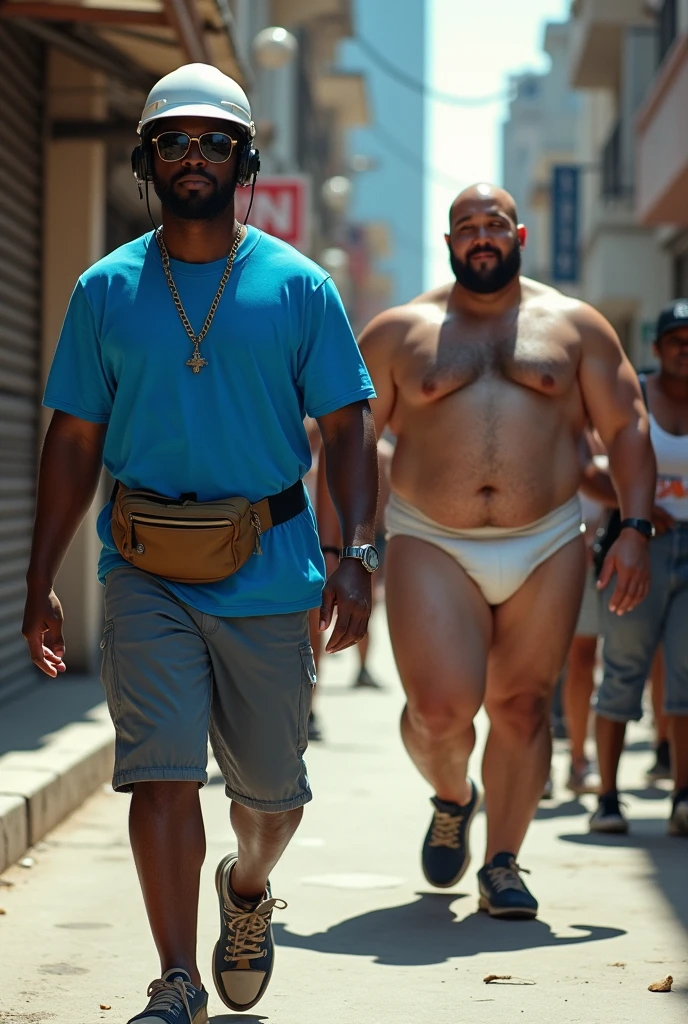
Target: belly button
<point>429,387</point>
<point>548,381</point>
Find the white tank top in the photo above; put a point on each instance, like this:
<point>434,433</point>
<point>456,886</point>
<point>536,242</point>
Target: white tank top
<point>672,471</point>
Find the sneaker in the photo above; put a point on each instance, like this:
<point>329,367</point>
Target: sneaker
<point>245,952</point>
<point>661,769</point>
<point>314,731</point>
<point>678,822</point>
<point>446,854</point>
<point>365,681</point>
<point>174,1000</point>
<point>584,780</point>
<point>503,893</point>
<point>609,817</point>
<point>548,789</point>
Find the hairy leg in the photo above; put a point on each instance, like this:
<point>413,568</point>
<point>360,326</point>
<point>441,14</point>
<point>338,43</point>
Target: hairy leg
<point>441,627</point>
<point>168,842</point>
<point>578,687</point>
<point>533,631</point>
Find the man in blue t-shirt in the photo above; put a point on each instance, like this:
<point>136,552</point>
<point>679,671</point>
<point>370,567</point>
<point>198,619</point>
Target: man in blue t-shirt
<point>187,362</point>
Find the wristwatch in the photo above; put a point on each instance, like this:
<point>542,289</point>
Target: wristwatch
<point>643,526</point>
<point>366,553</point>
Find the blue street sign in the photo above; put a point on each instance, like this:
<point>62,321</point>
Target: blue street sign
<point>565,217</point>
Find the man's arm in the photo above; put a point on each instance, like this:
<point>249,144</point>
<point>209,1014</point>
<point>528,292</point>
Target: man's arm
<point>70,468</point>
<point>349,458</point>
<point>614,402</point>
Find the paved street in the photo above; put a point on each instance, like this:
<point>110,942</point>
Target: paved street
<point>363,939</point>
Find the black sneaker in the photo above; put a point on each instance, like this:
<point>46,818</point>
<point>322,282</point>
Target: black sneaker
<point>446,854</point>
<point>245,952</point>
<point>609,817</point>
<point>314,731</point>
<point>678,822</point>
<point>364,681</point>
<point>174,1000</point>
<point>661,769</point>
<point>503,893</point>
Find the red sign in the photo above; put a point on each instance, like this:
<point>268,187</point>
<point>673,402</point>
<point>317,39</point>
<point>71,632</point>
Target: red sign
<point>281,207</point>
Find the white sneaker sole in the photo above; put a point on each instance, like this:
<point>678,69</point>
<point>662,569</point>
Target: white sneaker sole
<point>617,827</point>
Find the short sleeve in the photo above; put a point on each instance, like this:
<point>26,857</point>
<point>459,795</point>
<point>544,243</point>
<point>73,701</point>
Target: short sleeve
<point>330,372</point>
<point>77,382</point>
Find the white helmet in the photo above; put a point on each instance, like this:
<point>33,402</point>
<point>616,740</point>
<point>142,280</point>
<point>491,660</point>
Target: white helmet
<point>198,90</point>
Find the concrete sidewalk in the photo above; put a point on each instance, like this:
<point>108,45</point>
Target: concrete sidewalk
<point>56,748</point>
<point>364,939</point>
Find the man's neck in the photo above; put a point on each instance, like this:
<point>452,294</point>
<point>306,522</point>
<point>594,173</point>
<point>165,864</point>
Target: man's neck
<point>674,389</point>
<point>199,241</point>
<point>494,304</point>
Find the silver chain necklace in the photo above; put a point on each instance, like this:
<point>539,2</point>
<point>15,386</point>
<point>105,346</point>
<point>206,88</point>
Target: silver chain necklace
<point>197,362</point>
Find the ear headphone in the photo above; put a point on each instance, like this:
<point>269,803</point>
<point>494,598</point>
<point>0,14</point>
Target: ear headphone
<point>142,164</point>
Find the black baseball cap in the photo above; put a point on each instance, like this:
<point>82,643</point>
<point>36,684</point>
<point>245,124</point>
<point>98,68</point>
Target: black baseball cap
<point>675,314</point>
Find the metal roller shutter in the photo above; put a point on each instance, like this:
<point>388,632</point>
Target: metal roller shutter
<point>21,186</point>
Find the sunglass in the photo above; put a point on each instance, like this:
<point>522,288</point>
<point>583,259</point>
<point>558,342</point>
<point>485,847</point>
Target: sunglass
<point>215,147</point>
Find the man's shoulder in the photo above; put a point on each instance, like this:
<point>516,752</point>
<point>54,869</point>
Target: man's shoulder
<point>286,261</point>
<point>122,260</point>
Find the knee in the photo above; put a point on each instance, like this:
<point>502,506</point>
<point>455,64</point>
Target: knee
<point>161,795</point>
<point>522,714</point>
<point>436,717</point>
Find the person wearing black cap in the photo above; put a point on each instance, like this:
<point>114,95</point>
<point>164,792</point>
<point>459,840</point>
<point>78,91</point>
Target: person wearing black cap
<point>630,642</point>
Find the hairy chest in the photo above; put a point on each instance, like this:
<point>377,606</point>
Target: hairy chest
<point>535,353</point>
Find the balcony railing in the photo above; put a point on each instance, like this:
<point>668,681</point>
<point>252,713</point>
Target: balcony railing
<point>667,23</point>
<point>615,183</point>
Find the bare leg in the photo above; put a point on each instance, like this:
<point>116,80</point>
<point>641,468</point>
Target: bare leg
<point>262,839</point>
<point>440,626</point>
<point>678,732</point>
<point>610,740</point>
<point>168,842</point>
<point>578,687</point>
<point>533,631</point>
<point>657,683</point>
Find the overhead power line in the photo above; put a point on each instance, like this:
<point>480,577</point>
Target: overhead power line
<point>421,87</point>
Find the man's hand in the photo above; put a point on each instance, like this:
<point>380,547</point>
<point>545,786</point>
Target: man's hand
<point>350,589</point>
<point>629,558</point>
<point>42,629</point>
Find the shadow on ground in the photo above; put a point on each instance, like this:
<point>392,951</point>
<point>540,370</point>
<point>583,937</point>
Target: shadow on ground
<point>235,1018</point>
<point>668,856</point>
<point>428,932</point>
<point>566,809</point>
<point>44,707</point>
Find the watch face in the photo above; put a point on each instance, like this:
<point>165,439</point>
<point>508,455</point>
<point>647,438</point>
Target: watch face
<point>371,558</point>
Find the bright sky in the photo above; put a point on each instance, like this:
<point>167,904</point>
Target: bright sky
<point>473,47</point>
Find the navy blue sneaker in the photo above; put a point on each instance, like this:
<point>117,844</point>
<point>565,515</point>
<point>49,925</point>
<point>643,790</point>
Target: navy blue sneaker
<point>174,1000</point>
<point>245,952</point>
<point>503,893</point>
<point>446,854</point>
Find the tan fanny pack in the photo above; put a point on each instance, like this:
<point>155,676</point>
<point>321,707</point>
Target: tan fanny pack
<point>189,541</point>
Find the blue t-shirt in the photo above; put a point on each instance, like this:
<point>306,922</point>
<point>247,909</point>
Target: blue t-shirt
<point>280,347</point>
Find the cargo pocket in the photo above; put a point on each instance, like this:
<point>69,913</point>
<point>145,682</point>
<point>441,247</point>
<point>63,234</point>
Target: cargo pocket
<point>108,670</point>
<point>306,692</point>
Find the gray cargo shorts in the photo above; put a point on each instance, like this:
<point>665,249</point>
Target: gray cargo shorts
<point>174,676</point>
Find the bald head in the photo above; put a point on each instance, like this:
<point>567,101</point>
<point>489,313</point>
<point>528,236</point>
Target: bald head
<point>483,197</point>
<point>484,239</point>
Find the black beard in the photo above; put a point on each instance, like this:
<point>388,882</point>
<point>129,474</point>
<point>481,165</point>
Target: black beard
<point>195,207</point>
<point>493,281</point>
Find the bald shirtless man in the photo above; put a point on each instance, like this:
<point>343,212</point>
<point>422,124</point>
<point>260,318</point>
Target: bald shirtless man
<point>487,384</point>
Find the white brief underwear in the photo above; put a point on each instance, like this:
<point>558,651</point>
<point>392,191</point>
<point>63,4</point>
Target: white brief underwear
<point>498,559</point>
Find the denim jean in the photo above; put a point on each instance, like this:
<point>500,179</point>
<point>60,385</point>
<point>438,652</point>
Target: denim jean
<point>631,640</point>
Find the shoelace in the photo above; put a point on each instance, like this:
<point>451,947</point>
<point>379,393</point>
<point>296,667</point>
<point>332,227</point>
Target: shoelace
<point>166,994</point>
<point>509,877</point>
<point>247,929</point>
<point>445,830</point>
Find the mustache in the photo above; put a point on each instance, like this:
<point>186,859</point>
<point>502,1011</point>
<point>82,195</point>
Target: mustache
<point>197,174</point>
<point>487,249</point>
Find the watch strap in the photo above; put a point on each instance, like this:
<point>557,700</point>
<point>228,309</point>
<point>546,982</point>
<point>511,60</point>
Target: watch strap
<point>643,526</point>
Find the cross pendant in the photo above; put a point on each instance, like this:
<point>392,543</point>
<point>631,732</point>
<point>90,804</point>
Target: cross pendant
<point>197,362</point>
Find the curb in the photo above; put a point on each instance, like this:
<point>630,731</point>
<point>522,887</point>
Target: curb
<point>39,788</point>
